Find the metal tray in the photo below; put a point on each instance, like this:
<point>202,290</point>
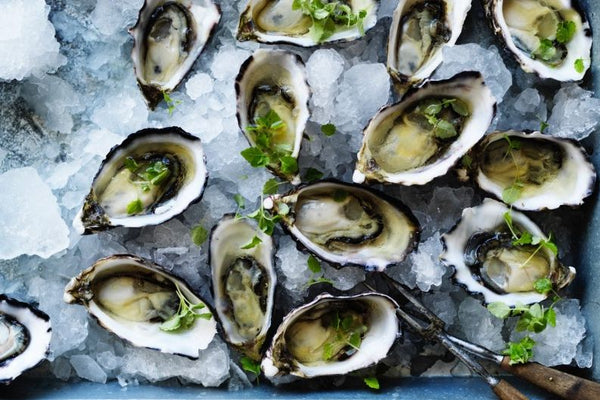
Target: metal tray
<point>586,287</point>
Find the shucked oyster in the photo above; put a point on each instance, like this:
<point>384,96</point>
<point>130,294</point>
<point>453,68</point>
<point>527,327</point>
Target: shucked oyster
<point>487,258</point>
<point>333,336</point>
<point>25,335</point>
<point>244,280</point>
<point>134,298</point>
<point>538,171</point>
<point>420,30</point>
<point>272,108</point>
<point>346,224</point>
<point>548,37</point>
<point>168,37</point>
<point>279,21</point>
<point>427,132</point>
<point>151,177</point>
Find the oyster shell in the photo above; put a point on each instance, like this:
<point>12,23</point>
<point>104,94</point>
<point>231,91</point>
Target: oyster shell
<point>25,335</point>
<point>307,343</point>
<point>152,176</point>
<point>420,30</point>
<point>275,21</point>
<point>271,85</point>
<point>427,132</point>
<point>530,31</point>
<point>168,37</point>
<point>480,248</point>
<point>346,224</point>
<point>131,297</point>
<point>243,283</point>
<point>548,171</point>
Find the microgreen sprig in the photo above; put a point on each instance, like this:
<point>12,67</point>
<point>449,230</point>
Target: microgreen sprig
<point>327,16</point>
<point>185,316</point>
<point>251,366</point>
<point>315,267</point>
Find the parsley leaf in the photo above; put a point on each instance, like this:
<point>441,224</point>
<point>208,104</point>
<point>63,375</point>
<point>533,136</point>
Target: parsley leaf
<point>239,200</point>
<point>327,16</point>
<point>499,310</point>
<point>313,264</point>
<point>256,157</point>
<point>251,366</point>
<point>520,352</point>
<point>199,235</point>
<point>185,316</point>
<point>372,382</point>
<point>255,241</point>
<point>135,207</point>
<point>546,50</point>
<point>312,175</point>
<point>579,66</point>
<point>171,104</point>
<point>565,31</point>
<point>328,129</point>
<point>270,186</point>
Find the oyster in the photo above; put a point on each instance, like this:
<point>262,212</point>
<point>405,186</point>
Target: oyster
<point>346,224</point>
<point>152,176</point>
<point>333,336</point>
<point>420,30</point>
<point>25,335</point>
<point>482,249</point>
<point>133,298</point>
<point>243,282</point>
<point>549,37</point>
<point>279,21</point>
<point>168,37</point>
<point>545,172</point>
<point>422,136</point>
<point>272,107</point>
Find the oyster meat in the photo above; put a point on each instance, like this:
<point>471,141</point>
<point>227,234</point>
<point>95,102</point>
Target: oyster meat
<point>420,30</point>
<point>427,132</point>
<point>333,336</point>
<point>346,224</point>
<point>544,172</point>
<point>243,279</point>
<point>25,335</point>
<point>549,37</point>
<point>272,107</point>
<point>168,37</point>
<point>135,299</point>
<point>280,21</point>
<point>152,176</point>
<point>487,259</point>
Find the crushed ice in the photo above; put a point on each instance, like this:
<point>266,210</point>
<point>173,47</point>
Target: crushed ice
<point>92,102</point>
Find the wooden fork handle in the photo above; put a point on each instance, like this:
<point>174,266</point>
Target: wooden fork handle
<point>565,385</point>
<point>506,391</point>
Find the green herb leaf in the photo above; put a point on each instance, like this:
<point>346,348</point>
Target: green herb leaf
<point>520,352</point>
<point>433,107</point>
<point>466,161</point>
<point>579,66</point>
<point>322,279</point>
<point>289,165</point>
<point>239,200</point>
<point>460,107</point>
<point>250,365</point>
<point>546,51</point>
<point>131,164</point>
<point>172,324</point>
<point>565,31</point>
<point>543,125</point>
<point>512,193</point>
<point>328,129</point>
<point>171,104</point>
<point>372,382</point>
<point>326,16</point>
<point>550,316</point>
<point>313,264</point>
<point>499,310</point>
<point>185,316</point>
<point>135,207</point>
<point>327,351</point>
<point>255,157</point>
<point>543,285</point>
<point>199,235</point>
<point>312,175</point>
<point>355,340</point>
<point>255,241</point>
<point>550,245</point>
<point>444,129</point>
<point>270,186</point>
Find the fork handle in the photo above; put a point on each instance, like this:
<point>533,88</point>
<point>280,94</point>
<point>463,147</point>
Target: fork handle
<point>506,391</point>
<point>560,383</point>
